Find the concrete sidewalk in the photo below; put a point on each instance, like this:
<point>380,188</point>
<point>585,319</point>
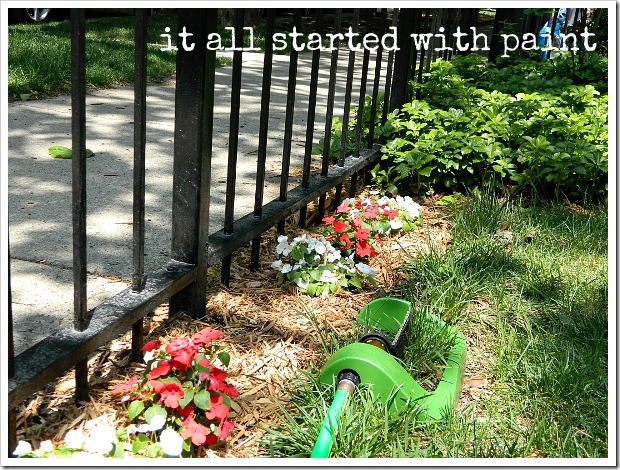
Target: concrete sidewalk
<point>39,193</point>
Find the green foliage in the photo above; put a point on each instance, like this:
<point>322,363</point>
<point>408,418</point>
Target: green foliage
<point>336,130</point>
<point>504,132</point>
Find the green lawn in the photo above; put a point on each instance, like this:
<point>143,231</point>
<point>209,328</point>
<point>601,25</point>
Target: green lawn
<point>535,315</point>
<point>39,55</point>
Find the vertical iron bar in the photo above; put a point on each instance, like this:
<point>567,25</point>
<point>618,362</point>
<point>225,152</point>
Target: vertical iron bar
<point>347,106</point>
<point>314,80</point>
<point>288,120</point>
<point>204,204</point>
<point>78,204</point>
<point>139,147</point>
<point>11,347</point>
<point>78,165</point>
<point>333,69</point>
<point>417,21</point>
<point>347,93</point>
<point>11,431</point>
<point>233,141</point>
<point>364,78</point>
<point>425,27</point>
<point>359,124</point>
<point>327,140</point>
<point>188,188</point>
<point>139,158</point>
<point>377,78</point>
<point>262,133</point>
<point>388,73</point>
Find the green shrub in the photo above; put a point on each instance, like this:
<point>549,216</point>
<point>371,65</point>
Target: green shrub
<point>542,135</point>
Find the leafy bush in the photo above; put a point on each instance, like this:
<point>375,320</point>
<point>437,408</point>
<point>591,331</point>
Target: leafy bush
<point>541,134</point>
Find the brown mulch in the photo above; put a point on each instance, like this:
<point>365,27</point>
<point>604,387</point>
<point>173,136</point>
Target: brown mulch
<point>266,333</point>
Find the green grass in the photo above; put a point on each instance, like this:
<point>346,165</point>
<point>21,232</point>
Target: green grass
<point>39,55</point>
<point>535,312</point>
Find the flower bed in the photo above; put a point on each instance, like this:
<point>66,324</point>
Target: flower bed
<point>337,257</point>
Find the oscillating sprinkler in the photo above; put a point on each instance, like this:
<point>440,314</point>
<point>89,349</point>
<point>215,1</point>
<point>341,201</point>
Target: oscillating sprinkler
<point>372,361</point>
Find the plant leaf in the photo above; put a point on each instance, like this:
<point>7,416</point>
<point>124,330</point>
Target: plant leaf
<point>134,409</point>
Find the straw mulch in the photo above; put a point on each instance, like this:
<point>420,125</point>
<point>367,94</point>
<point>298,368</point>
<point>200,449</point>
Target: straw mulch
<point>266,333</point>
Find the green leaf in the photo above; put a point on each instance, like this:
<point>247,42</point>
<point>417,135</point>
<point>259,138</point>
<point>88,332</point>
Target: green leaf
<point>58,151</point>
<point>224,358</point>
<point>139,443</point>
<point>203,400</point>
<point>153,411</point>
<point>118,451</point>
<point>134,409</point>
<point>187,397</point>
<point>154,451</point>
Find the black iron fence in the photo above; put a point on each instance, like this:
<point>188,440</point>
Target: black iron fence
<point>182,280</point>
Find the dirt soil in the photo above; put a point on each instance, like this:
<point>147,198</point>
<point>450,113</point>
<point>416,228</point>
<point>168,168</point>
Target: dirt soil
<point>266,333</point>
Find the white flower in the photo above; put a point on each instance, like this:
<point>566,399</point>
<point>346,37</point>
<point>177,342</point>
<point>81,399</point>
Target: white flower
<point>23,447</point>
<point>409,205</point>
<point>157,422</point>
<point>74,439</point>
<point>302,284</point>
<point>283,248</point>
<point>333,256</point>
<point>365,269</point>
<point>100,439</point>
<point>171,442</point>
<point>328,277</point>
<point>46,446</point>
<point>298,240</point>
<point>286,268</point>
<point>318,246</point>
<point>396,224</point>
<point>277,264</point>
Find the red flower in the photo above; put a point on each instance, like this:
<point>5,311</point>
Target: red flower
<point>184,357</point>
<point>361,234</point>
<point>206,335</point>
<point>340,227</point>
<point>185,412</point>
<point>125,387</point>
<point>390,213</point>
<point>196,432</point>
<point>224,429</point>
<point>169,392</point>
<point>164,368</point>
<point>328,220</point>
<point>154,344</point>
<point>363,249</point>
<point>346,240</point>
<point>218,409</point>
<point>176,345</point>
<point>211,439</point>
<point>230,390</point>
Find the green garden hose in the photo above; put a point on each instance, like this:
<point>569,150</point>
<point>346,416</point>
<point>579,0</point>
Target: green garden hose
<point>347,384</point>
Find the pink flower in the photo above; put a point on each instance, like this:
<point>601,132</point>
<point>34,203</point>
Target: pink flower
<point>206,335</point>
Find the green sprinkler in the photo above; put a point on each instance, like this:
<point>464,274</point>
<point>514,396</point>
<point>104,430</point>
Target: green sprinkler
<point>372,361</point>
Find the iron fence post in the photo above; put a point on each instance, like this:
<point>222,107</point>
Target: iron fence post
<point>78,185</point>
<point>402,66</point>
<point>190,190</point>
